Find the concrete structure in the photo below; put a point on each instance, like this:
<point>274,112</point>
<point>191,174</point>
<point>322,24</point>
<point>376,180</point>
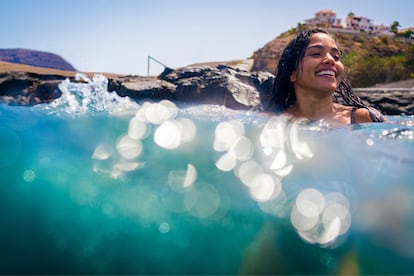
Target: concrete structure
<point>382,28</point>
<point>359,23</point>
<point>324,18</point>
<point>403,30</point>
<point>328,19</point>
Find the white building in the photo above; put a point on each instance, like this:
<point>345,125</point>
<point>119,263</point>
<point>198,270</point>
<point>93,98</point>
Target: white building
<point>359,23</point>
<point>406,30</point>
<point>328,19</point>
<point>324,18</point>
<point>382,29</point>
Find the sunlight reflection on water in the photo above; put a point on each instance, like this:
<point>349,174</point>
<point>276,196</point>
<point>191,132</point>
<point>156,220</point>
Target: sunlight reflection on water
<point>261,167</point>
<point>198,182</point>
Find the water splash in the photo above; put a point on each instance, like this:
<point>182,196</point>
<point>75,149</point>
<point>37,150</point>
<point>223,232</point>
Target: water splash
<point>89,95</point>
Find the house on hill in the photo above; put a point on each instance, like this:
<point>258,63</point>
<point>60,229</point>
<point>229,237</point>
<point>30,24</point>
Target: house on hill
<point>324,18</point>
<point>407,32</point>
<point>364,24</point>
<point>359,23</point>
<point>382,29</point>
<point>409,29</point>
<point>328,19</point>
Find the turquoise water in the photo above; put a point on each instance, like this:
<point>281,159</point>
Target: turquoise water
<point>97,184</point>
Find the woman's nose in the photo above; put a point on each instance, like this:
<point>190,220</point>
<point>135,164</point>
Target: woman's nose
<point>328,59</point>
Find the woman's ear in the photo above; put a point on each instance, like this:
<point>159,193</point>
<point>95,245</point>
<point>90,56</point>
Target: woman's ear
<point>293,76</point>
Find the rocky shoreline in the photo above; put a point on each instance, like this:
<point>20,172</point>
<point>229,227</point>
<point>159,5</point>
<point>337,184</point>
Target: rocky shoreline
<point>223,85</point>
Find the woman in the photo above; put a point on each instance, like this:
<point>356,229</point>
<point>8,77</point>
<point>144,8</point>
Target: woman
<point>309,72</point>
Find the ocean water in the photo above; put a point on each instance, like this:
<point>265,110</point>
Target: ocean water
<point>97,184</point>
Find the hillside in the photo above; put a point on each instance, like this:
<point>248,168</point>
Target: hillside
<point>14,67</point>
<point>35,58</point>
<point>369,59</point>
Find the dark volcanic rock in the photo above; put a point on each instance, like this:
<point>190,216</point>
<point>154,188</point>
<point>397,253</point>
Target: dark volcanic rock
<point>139,88</point>
<point>222,85</point>
<point>22,88</point>
<point>35,58</point>
<point>390,101</point>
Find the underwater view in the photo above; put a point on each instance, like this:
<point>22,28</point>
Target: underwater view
<point>93,183</point>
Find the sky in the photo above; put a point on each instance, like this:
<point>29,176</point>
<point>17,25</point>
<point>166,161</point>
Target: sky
<point>118,36</point>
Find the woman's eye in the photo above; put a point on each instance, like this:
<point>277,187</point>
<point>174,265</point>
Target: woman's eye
<point>315,54</point>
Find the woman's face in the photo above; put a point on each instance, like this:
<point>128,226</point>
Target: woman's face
<point>321,68</point>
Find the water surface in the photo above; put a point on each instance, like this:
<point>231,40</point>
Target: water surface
<point>97,184</point>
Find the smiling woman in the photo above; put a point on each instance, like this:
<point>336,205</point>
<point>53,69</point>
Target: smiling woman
<point>308,75</point>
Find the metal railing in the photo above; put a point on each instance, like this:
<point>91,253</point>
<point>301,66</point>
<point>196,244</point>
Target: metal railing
<point>157,61</point>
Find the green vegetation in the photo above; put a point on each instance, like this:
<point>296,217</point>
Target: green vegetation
<point>394,27</point>
<point>364,71</point>
<point>372,59</point>
<point>409,60</point>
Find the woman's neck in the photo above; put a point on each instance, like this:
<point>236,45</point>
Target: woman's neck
<point>313,108</point>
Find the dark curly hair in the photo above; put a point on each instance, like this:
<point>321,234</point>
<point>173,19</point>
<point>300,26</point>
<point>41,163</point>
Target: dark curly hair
<point>283,92</point>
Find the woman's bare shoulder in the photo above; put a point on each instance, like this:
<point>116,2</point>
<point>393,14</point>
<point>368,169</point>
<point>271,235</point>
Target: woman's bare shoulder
<point>362,115</point>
